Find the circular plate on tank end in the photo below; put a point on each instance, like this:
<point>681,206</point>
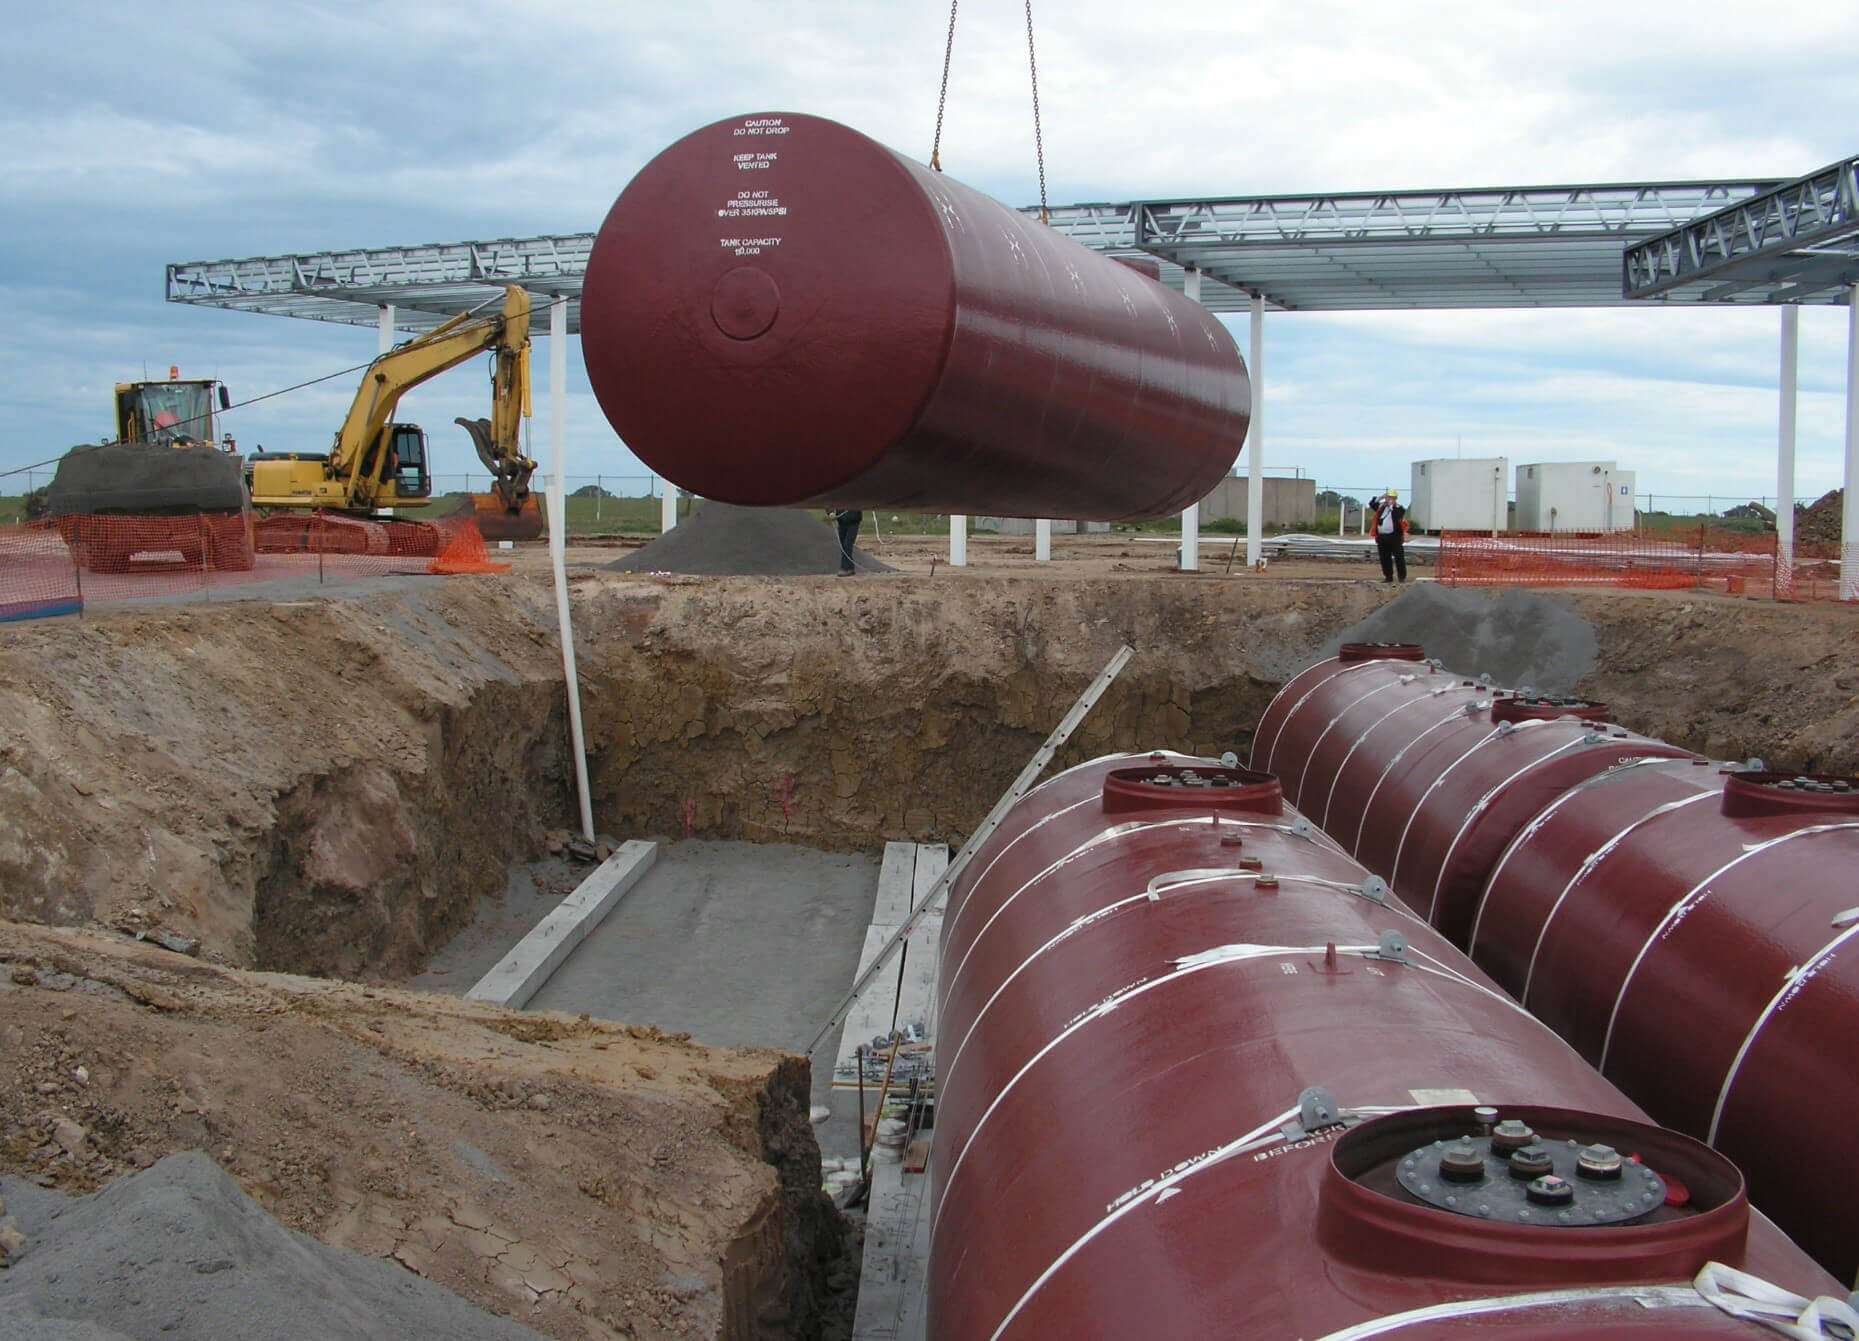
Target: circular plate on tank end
<point>767,307</point>
<point>745,302</point>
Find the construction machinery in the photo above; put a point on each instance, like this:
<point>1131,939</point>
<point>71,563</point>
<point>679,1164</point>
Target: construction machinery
<point>376,465</point>
<point>167,485</point>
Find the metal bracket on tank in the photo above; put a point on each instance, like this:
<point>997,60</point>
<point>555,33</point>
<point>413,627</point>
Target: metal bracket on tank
<point>1316,1111</point>
<point>1485,679</point>
<point>1301,827</point>
<point>1229,760</point>
<point>1475,707</point>
<point>1392,948</point>
<point>1374,889</point>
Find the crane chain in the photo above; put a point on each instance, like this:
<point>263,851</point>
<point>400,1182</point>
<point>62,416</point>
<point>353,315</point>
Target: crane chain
<point>1039,144</point>
<point>942,97</point>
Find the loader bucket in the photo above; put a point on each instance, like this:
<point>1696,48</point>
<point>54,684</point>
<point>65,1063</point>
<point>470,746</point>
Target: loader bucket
<point>496,521</point>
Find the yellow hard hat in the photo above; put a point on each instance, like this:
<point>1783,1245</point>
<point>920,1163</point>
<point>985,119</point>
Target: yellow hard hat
<point>1393,493</point>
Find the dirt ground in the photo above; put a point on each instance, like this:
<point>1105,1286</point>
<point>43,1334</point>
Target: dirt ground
<point>584,1178</point>
<point>328,786</point>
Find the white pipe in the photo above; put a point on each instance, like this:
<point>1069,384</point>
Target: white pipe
<point>667,505</point>
<point>1042,540</point>
<point>1849,518</point>
<point>958,540</point>
<point>558,545</point>
<point>1255,451</point>
<point>387,327</point>
<point>1191,515</point>
<point>1784,453</point>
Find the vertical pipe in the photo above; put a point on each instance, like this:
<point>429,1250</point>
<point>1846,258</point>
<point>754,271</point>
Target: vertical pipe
<point>1255,452</point>
<point>387,327</point>
<point>1191,515</point>
<point>558,544</point>
<point>1849,518</point>
<point>1784,453</point>
<point>667,505</point>
<point>958,540</point>
<point>1042,540</point>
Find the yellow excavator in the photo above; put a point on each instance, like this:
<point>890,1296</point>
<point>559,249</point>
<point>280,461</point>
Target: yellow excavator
<point>377,465</point>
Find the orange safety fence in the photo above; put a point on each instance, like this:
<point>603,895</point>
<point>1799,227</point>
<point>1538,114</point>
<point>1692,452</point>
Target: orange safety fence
<point>62,565</point>
<point>1739,562</point>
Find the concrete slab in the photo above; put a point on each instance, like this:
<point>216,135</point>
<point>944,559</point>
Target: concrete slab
<point>892,1299</point>
<point>738,944</point>
<point>528,966</point>
<point>904,995</point>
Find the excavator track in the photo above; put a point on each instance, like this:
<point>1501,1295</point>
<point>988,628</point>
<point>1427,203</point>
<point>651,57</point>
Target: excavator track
<point>337,533</point>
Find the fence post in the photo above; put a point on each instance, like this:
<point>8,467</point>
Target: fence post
<point>597,493</point>
<point>206,555</point>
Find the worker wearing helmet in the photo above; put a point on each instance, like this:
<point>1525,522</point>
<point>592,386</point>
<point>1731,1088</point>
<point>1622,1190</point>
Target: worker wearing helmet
<point>1389,520</point>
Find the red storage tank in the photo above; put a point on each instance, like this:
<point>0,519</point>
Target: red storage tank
<point>1196,1078</point>
<point>780,311</point>
<point>1694,931</point>
<point>1426,776</point>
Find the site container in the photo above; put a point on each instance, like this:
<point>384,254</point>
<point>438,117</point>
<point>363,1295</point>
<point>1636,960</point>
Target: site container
<point>1574,496</point>
<point>1458,495</point>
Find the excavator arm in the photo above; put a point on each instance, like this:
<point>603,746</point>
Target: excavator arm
<point>357,458</point>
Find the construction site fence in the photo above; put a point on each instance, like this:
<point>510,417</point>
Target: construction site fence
<point>1712,558</point>
<point>64,565</point>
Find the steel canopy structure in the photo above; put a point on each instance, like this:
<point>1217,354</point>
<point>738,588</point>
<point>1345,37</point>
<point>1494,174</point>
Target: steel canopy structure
<point>1797,242</point>
<point>1535,246</point>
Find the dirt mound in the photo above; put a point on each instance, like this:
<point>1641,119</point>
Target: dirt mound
<point>179,1248</point>
<point>722,539</point>
<point>1820,522</point>
<point>1517,637</point>
<point>581,1178</point>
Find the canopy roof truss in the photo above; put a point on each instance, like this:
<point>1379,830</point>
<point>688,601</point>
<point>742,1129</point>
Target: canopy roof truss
<point>1794,243</point>
<point>1539,246</point>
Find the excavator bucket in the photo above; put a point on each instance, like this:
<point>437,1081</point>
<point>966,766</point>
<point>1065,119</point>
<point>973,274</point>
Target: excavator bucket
<point>496,521</point>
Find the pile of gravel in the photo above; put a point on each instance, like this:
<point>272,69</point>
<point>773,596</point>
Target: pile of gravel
<point>178,1250</point>
<point>1518,637</point>
<point>724,539</point>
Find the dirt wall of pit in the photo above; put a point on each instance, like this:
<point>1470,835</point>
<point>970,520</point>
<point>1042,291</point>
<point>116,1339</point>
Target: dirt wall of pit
<point>327,786</point>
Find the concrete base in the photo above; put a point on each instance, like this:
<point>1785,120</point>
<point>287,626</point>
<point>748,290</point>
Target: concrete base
<point>521,973</point>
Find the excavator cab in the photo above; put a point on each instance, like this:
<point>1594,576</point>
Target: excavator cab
<point>408,475</point>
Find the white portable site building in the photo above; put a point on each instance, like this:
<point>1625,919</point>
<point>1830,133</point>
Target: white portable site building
<point>1574,496</point>
<point>1459,495</point>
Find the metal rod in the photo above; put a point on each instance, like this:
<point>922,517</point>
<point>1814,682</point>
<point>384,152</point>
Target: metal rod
<point>1021,785</point>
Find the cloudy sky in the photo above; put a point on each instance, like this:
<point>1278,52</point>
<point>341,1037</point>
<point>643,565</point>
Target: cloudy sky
<point>138,134</point>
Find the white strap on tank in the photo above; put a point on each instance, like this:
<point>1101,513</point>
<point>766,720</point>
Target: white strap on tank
<point>1645,1296</point>
<point>1742,1295</point>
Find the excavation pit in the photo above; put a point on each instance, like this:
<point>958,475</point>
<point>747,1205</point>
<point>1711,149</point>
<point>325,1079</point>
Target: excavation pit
<point>334,787</point>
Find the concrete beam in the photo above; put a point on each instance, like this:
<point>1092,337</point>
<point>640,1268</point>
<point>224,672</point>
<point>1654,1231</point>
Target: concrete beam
<point>520,974</point>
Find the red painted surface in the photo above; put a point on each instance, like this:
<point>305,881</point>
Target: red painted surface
<point>1122,1007</point>
<point>1698,957</point>
<point>1426,776</point>
<point>781,311</point>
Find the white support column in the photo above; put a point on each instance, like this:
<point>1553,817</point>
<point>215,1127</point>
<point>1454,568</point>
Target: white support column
<point>1255,442</point>
<point>387,327</point>
<point>667,505</point>
<point>1849,519</point>
<point>958,540</point>
<point>558,544</point>
<point>1042,540</point>
<point>1190,561</point>
<point>1784,454</point>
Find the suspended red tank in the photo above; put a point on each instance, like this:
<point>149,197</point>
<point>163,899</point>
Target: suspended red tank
<point>1198,1077</point>
<point>1694,931</point>
<point>780,311</point>
<point>1426,776</point>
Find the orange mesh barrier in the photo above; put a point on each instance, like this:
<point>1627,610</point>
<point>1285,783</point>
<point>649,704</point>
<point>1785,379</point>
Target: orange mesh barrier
<point>60,566</point>
<point>465,552</point>
<point>1726,560</point>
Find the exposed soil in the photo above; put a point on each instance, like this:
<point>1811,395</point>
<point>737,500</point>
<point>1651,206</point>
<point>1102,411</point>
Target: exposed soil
<point>583,1178</point>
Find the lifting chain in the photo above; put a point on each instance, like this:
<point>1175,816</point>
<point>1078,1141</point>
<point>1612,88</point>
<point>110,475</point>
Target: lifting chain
<point>942,97</point>
<point>1039,144</point>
